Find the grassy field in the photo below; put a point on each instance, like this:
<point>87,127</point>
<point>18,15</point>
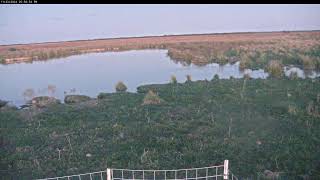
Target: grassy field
<point>271,124</point>
<point>252,49</point>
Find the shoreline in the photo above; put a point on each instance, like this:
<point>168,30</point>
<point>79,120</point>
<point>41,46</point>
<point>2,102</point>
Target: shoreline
<point>191,48</point>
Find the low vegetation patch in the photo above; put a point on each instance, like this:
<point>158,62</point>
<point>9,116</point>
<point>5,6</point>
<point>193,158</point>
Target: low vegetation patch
<point>270,125</point>
<point>152,98</point>
<point>72,99</point>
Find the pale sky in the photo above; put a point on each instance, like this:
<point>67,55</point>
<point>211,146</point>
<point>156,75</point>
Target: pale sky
<point>43,23</point>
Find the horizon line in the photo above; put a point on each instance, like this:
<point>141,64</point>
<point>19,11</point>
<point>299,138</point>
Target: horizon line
<point>165,35</point>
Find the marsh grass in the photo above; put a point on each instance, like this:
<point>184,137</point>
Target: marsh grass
<point>189,79</point>
<point>121,87</point>
<point>191,127</point>
<point>293,75</point>
<point>152,98</point>
<point>275,69</point>
<point>216,77</point>
<point>173,79</point>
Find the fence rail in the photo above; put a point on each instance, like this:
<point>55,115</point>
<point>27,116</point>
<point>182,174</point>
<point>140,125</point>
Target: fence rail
<point>219,172</point>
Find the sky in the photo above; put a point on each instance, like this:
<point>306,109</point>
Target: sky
<point>47,23</point>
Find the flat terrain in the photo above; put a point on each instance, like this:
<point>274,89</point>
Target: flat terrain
<point>271,124</point>
<point>199,49</point>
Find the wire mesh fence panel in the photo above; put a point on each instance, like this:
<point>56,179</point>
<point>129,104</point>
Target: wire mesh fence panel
<point>101,175</point>
<point>205,173</point>
<point>219,172</point>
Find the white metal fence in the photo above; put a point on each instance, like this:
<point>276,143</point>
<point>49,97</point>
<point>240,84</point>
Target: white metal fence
<point>219,172</point>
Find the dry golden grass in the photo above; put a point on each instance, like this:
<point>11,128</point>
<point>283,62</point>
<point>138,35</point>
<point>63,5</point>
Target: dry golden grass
<point>151,98</point>
<point>275,69</point>
<point>197,49</point>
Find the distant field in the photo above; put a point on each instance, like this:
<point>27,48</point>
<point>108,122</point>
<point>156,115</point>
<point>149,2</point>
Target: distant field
<point>253,49</point>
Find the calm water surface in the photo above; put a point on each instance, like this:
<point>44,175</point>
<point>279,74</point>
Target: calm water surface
<point>91,74</point>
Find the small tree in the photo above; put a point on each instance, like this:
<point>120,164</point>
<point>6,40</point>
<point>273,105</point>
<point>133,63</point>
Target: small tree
<point>121,87</point>
<point>188,78</point>
<point>151,98</point>
<point>174,79</point>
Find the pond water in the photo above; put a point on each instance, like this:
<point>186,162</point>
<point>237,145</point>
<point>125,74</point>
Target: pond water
<point>91,74</point>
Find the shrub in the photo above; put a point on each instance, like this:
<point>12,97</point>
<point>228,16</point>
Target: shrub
<point>151,98</point>
<point>3,103</point>
<point>189,78</point>
<point>121,87</point>
<point>72,99</point>
<point>292,110</point>
<point>308,62</point>
<point>313,109</point>
<point>247,76</point>
<point>174,79</point>
<point>275,69</point>
<point>215,77</point>
<point>2,61</point>
<point>231,53</point>
<point>103,95</point>
<point>293,75</point>
<point>245,61</point>
<point>12,49</point>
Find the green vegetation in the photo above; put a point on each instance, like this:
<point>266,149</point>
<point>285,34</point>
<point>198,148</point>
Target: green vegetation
<point>71,99</point>
<point>293,75</point>
<point>216,77</point>
<point>174,79</point>
<point>271,124</point>
<point>152,98</point>
<point>247,76</point>
<point>12,49</point>
<point>189,79</point>
<point>275,69</point>
<point>2,61</point>
<point>121,87</point>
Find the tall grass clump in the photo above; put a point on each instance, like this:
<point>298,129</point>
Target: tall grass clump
<point>292,109</point>
<point>216,77</point>
<point>247,76</point>
<point>174,79</point>
<point>308,62</point>
<point>151,98</point>
<point>293,75</point>
<point>188,78</point>
<point>2,61</point>
<point>274,68</point>
<point>121,87</point>
<point>245,61</point>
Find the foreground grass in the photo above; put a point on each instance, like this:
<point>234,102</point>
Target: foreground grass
<point>256,124</point>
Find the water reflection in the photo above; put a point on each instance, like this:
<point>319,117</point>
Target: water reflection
<point>91,74</point>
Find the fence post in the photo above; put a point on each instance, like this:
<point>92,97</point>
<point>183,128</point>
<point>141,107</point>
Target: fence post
<point>108,174</point>
<point>226,170</point>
